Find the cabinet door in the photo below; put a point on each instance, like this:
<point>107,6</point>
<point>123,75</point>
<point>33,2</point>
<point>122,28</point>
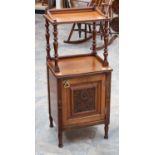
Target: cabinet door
<point>83,100</point>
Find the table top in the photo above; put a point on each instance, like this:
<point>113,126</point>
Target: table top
<point>61,16</point>
<point>73,66</point>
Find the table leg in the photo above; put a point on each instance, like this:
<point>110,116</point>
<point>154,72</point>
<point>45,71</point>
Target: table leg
<point>49,99</point>
<point>106,128</point>
<point>94,39</point>
<point>106,39</point>
<point>55,45</point>
<point>47,40</point>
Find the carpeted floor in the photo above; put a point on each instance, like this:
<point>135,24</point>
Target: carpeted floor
<point>84,141</point>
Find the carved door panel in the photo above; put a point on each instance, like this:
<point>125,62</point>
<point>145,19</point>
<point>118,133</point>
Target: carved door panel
<point>83,100</point>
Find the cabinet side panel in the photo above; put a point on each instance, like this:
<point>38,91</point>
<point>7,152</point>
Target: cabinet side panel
<point>53,97</point>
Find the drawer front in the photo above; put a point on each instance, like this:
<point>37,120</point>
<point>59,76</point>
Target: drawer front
<point>83,100</point>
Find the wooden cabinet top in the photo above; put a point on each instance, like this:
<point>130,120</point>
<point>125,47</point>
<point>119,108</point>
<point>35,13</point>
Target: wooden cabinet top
<point>61,16</point>
<point>79,65</point>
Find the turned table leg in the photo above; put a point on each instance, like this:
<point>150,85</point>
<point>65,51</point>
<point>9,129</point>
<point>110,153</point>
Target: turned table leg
<point>94,39</point>
<point>47,40</point>
<point>106,39</point>
<point>55,45</point>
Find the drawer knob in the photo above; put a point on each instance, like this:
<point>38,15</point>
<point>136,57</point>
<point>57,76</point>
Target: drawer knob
<point>66,84</point>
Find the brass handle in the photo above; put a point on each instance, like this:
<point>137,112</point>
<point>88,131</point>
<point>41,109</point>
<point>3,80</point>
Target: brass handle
<point>66,84</point>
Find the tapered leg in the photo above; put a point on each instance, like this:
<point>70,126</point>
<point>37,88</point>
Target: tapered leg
<point>106,129</point>
<point>51,121</point>
<point>60,139</point>
<point>49,100</point>
<point>60,131</point>
<point>108,92</point>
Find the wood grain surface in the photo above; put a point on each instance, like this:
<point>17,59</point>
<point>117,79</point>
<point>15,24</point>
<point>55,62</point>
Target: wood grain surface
<point>78,65</point>
<point>61,16</point>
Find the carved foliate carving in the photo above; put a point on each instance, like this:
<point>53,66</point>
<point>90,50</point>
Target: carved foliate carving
<point>84,99</point>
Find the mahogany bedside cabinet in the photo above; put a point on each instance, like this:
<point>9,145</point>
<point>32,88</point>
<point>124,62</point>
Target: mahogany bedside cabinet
<point>78,86</point>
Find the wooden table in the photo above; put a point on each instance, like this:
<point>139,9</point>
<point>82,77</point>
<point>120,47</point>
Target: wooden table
<point>79,85</point>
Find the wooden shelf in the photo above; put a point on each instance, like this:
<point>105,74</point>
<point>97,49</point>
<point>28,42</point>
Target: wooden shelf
<point>73,66</point>
<point>61,16</point>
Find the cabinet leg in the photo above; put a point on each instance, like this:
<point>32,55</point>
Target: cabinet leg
<point>51,121</point>
<point>49,100</point>
<point>60,139</point>
<point>106,129</point>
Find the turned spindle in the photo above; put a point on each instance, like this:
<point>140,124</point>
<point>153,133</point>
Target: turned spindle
<point>55,45</point>
<point>106,39</point>
<point>47,40</point>
<point>94,39</point>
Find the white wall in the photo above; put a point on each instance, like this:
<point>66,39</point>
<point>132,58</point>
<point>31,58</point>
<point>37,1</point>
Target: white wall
<point>58,4</point>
